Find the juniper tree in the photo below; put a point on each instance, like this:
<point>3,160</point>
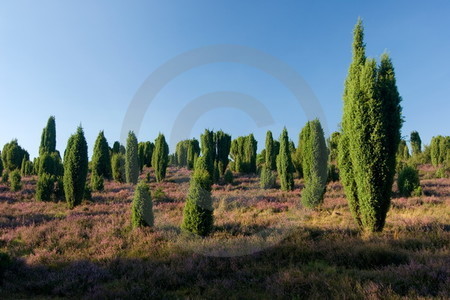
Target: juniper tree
<point>12,155</point>
<point>208,150</point>
<point>181,151</point>
<point>48,137</point>
<point>142,206</point>
<point>160,158</point>
<point>370,135</point>
<point>132,159</point>
<point>75,168</point>
<point>193,152</point>
<point>101,159</point>
<point>118,167</point>
<point>285,167</point>
<point>223,144</point>
<point>15,180</point>
<point>315,158</point>
<point>198,210</point>
<point>145,151</point>
<point>271,155</point>
<point>416,143</point>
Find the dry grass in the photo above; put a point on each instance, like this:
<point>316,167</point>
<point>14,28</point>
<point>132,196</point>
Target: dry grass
<point>92,252</point>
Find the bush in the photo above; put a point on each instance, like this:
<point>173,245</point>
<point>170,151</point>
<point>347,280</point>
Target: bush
<point>142,207</point>
<point>15,180</point>
<point>267,178</point>
<point>408,181</point>
<point>97,183</point>
<point>45,187</point>
<point>228,177</point>
<point>118,167</point>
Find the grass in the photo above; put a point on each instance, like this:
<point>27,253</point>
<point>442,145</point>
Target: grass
<point>264,246</point>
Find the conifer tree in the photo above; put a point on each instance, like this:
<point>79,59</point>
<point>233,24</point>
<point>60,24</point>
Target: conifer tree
<point>193,152</point>
<point>132,159</point>
<point>118,167</point>
<point>223,144</point>
<point>101,159</point>
<point>145,150</point>
<point>208,150</point>
<point>48,137</point>
<point>271,156</point>
<point>75,168</point>
<point>198,210</point>
<point>416,143</point>
<point>315,158</point>
<point>142,206</point>
<point>160,158</point>
<point>284,163</point>
<point>12,155</point>
<point>370,135</point>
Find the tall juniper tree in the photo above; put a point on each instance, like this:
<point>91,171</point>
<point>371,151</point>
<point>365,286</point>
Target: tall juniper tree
<point>132,159</point>
<point>160,158</point>
<point>285,167</point>
<point>101,159</point>
<point>75,168</point>
<point>370,137</point>
<point>416,143</point>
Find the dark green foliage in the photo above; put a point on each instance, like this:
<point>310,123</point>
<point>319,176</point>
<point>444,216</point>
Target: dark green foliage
<point>50,164</point>
<point>87,195</point>
<point>142,206</point>
<point>116,148</point>
<point>403,151</point>
<point>223,145</point>
<point>298,157</point>
<point>26,168</point>
<point>97,182</point>
<point>145,150</point>
<point>333,142</point>
<point>267,178</point>
<point>1,165</point>
<point>439,148</point>
<point>132,159</point>
<point>408,181</point>
<point>101,159</point>
<point>12,156</point>
<point>228,177</point>
<point>118,167</point>
<point>181,150</point>
<point>370,135</point>
<point>285,167</point>
<point>416,143</point>
<point>198,210</point>
<point>315,162</point>
<point>160,158</point>
<point>45,187</point>
<point>216,172</point>
<point>48,137</point>
<point>193,152</point>
<point>15,180</point>
<point>208,150</point>
<point>243,152</point>
<point>333,173</point>
<point>75,168</point>
<point>271,154</point>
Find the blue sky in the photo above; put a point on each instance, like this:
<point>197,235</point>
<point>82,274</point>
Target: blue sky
<point>84,61</point>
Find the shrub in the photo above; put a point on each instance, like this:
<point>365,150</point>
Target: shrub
<point>97,183</point>
<point>101,160</point>
<point>142,207</point>
<point>12,156</point>
<point>267,178</point>
<point>75,168</point>
<point>45,187</point>
<point>198,210</point>
<point>118,167</point>
<point>132,159</point>
<point>15,180</point>
<point>285,167</point>
<point>408,181</point>
<point>228,177</point>
<point>315,162</point>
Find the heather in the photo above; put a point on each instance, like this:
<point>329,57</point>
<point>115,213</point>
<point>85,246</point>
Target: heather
<point>92,251</point>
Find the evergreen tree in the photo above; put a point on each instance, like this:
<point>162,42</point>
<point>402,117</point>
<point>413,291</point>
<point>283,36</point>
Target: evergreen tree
<point>285,167</point>
<point>1,165</point>
<point>48,137</point>
<point>198,210</point>
<point>132,159</point>
<point>181,152</point>
<point>193,152</point>
<point>416,143</point>
<point>118,167</point>
<point>223,144</point>
<point>315,158</point>
<point>160,158</point>
<point>101,159</point>
<point>145,151</point>
<point>271,156</point>
<point>208,150</point>
<point>370,135</point>
<point>142,206</point>
<point>75,168</point>
<point>12,155</point>
<point>15,180</point>
<point>116,147</point>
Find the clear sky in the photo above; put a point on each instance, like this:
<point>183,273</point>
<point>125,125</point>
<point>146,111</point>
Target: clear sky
<point>84,61</point>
